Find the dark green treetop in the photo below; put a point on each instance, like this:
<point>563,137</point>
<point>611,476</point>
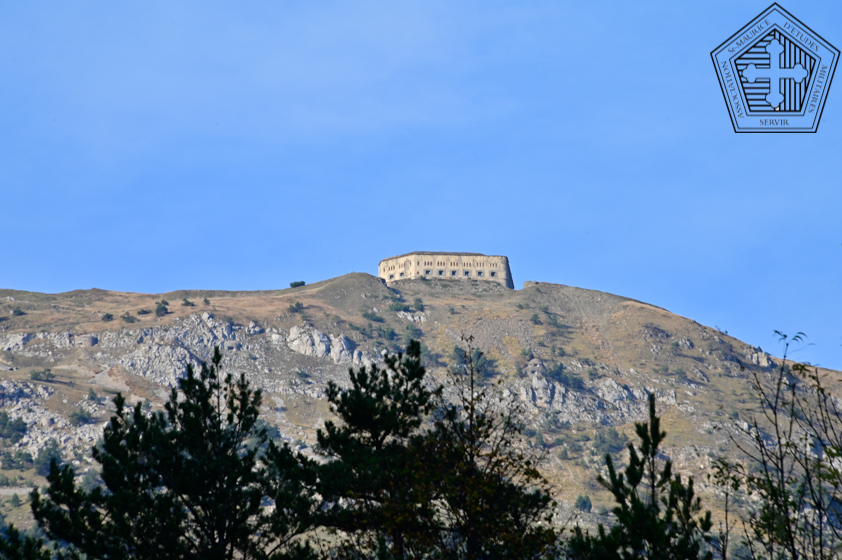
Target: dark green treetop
<point>655,509</point>
<point>414,475</point>
<point>189,482</point>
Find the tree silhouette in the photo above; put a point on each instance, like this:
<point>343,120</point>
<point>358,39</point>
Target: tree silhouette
<point>190,482</point>
<point>415,475</point>
<point>655,509</point>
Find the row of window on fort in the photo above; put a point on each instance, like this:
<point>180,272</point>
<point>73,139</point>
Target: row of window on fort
<point>446,273</point>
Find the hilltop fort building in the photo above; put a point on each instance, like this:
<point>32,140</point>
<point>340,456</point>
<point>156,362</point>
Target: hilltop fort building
<point>447,266</point>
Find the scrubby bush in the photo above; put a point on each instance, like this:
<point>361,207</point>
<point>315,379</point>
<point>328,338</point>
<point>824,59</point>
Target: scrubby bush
<point>388,334</point>
<point>553,320</point>
<point>187,303</point>
<point>296,307</point>
<point>143,312</point>
<point>482,364</point>
<point>11,429</point>
<point>161,309</point>
<point>127,318</point>
<point>609,441</point>
<point>413,333</point>
<point>107,317</point>
<point>583,503</point>
<point>296,284</point>
<point>17,312</point>
<point>80,416</point>
<point>18,460</point>
<point>557,372</point>
<point>45,374</point>
<point>372,316</point>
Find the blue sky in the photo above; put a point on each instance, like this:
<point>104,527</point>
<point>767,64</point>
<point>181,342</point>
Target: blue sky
<point>152,146</point>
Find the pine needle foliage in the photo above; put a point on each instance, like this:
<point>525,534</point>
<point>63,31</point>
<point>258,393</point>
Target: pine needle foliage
<point>189,482</point>
<point>656,511</point>
<point>418,475</point>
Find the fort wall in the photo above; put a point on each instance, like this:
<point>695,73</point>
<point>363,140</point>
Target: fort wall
<point>447,266</point>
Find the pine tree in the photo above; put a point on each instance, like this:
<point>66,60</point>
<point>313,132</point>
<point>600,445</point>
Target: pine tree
<point>16,546</point>
<point>491,501</point>
<point>655,510</point>
<point>416,476</point>
<point>189,482</point>
<point>374,479</point>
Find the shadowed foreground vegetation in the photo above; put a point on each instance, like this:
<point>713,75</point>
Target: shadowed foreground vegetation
<point>411,469</point>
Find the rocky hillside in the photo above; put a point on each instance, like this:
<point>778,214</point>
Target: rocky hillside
<point>581,361</point>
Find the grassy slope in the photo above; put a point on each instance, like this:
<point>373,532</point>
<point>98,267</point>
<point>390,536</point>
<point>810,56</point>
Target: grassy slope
<point>613,337</point>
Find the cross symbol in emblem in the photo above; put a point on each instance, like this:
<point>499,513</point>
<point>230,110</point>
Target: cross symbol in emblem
<point>775,73</point>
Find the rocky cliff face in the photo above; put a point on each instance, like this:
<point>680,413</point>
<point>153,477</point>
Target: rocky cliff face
<point>579,361</point>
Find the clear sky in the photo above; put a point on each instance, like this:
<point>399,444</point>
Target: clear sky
<point>153,146</point>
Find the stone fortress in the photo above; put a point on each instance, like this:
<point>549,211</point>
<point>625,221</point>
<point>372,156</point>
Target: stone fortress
<point>447,266</point>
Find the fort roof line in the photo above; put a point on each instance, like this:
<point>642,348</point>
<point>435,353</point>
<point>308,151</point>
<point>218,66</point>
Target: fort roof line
<point>440,253</point>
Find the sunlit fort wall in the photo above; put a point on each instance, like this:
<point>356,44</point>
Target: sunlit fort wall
<point>447,266</point>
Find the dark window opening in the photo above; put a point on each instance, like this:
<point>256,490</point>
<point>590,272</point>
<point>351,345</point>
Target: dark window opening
<point>453,273</point>
<point>493,274</point>
<point>479,273</point>
<point>427,272</point>
<point>441,273</point>
<point>467,273</point>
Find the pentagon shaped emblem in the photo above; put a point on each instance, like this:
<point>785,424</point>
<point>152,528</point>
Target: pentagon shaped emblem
<point>775,74</point>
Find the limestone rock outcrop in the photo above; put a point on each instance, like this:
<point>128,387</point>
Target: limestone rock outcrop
<point>761,359</point>
<point>341,349</point>
<point>534,367</point>
<point>15,341</point>
<point>364,358</point>
<point>611,391</point>
<point>308,341</point>
<point>161,363</point>
<point>13,391</point>
<point>412,317</point>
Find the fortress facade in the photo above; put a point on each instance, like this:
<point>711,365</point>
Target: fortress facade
<point>447,266</point>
